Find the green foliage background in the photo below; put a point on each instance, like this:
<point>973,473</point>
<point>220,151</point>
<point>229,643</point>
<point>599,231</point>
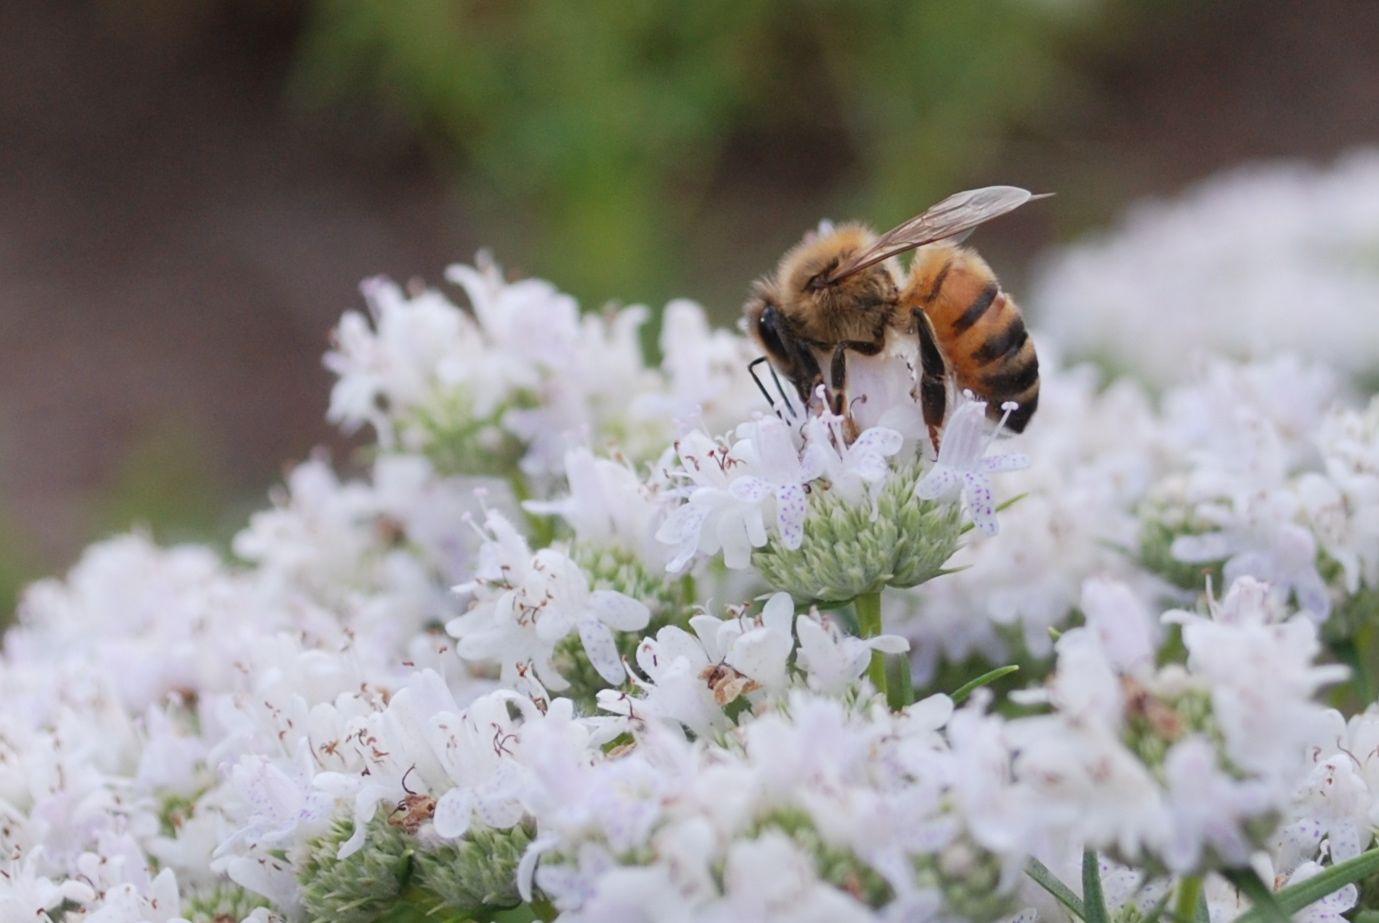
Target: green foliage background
<point>616,144</point>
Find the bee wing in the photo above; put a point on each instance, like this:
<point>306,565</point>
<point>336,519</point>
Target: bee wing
<point>955,215</point>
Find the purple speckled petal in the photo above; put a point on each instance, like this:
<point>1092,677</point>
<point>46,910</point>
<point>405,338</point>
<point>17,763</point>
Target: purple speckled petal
<point>602,652</point>
<point>791,506</point>
<point>980,505</point>
<point>939,482</point>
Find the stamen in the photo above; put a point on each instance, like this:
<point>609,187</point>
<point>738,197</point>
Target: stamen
<point>1007,409</point>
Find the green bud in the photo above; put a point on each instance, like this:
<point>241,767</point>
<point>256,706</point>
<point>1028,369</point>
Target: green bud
<point>616,569</point>
<point>969,879</point>
<point>1153,724</point>
<point>475,873</point>
<point>459,443</point>
<point>849,550</point>
<point>224,903</point>
<point>361,887</point>
<point>835,864</point>
<point>1159,527</point>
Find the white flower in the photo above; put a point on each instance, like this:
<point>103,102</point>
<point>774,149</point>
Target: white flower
<point>733,491</point>
<point>1258,537</point>
<point>526,604</point>
<point>851,468</point>
<point>1200,272</point>
<point>609,506</point>
<point>128,904</point>
<point>27,895</point>
<point>1262,676</point>
<point>832,660</point>
<point>776,470</point>
<point>673,664</point>
<point>1209,807</point>
<point>1331,908</point>
<point>962,467</point>
<point>758,646</point>
<point>391,367</point>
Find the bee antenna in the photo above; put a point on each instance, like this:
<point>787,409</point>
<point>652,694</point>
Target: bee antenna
<point>404,779</point>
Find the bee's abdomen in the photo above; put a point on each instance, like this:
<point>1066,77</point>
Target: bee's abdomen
<point>979,328</point>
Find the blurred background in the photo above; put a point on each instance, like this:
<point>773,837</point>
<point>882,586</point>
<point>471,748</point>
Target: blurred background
<point>190,190</point>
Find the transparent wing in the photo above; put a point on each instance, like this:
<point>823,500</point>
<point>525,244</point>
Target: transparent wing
<point>955,215</point>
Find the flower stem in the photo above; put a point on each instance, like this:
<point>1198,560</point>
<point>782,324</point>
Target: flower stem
<point>1189,895</point>
<point>869,626</point>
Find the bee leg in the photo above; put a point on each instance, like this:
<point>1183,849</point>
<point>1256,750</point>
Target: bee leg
<point>933,385</point>
<point>838,369</point>
<point>838,379</point>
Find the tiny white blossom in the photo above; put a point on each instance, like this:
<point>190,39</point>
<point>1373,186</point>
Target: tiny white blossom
<point>963,467</point>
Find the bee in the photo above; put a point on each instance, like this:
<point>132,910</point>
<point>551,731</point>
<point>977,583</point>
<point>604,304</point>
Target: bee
<point>841,290</point>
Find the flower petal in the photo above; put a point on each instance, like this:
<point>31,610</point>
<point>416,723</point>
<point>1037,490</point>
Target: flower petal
<point>602,651</point>
<point>888,644</point>
<point>976,492</point>
<point>620,611</point>
<point>791,507</point>
<point>750,489</point>
<point>939,481</point>
<point>454,812</point>
<point>1015,461</point>
<point>1193,549</point>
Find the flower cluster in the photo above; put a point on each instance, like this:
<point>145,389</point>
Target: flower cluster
<point>1262,259</point>
<point>600,638</point>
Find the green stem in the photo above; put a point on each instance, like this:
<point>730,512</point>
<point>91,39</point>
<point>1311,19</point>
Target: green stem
<point>869,626</point>
<point>1189,894</point>
<point>900,687</point>
<point>542,527</point>
<point>544,909</point>
<point>1366,641</point>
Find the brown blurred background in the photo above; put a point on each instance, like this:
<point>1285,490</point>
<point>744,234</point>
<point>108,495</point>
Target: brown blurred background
<point>190,191</point>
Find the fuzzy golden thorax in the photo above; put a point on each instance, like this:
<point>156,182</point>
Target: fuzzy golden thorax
<point>856,308</point>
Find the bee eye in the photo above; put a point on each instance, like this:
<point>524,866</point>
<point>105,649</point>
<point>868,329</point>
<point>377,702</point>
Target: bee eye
<point>767,330</point>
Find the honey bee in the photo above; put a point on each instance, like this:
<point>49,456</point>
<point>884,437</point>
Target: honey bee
<point>841,290</point>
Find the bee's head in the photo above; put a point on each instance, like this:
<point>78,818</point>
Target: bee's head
<point>766,323</point>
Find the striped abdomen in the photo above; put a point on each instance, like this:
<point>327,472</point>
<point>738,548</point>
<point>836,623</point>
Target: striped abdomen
<point>979,328</point>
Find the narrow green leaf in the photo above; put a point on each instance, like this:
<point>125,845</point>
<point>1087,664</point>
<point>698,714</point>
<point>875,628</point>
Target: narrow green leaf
<point>1295,897</point>
<point>1261,896</point>
<point>967,688</point>
<point>1092,900</point>
<point>1203,914</point>
<point>1050,882</point>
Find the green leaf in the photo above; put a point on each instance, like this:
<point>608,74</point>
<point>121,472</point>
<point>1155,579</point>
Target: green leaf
<point>1051,883</point>
<point>967,688</point>
<point>1261,895</point>
<point>1295,897</point>
<point>1092,899</point>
